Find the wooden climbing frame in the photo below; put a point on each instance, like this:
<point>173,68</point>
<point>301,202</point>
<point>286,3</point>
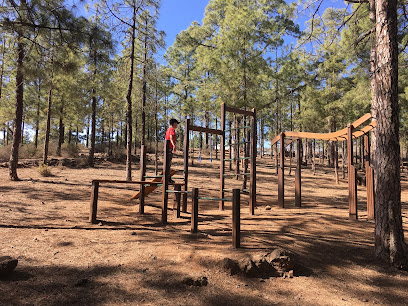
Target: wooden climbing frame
<point>348,134</point>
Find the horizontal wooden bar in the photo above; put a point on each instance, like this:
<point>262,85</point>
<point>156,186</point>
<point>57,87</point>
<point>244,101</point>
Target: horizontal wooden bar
<point>204,130</point>
<point>238,111</point>
<point>135,182</point>
<point>214,199</point>
<point>126,182</point>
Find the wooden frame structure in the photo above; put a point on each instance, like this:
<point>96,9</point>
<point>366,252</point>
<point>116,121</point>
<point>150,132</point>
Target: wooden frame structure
<point>236,214</point>
<point>252,155</point>
<point>352,131</point>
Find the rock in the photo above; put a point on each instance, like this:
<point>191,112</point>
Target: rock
<point>230,266</point>
<point>7,265</point>
<point>276,263</point>
<point>268,207</point>
<point>133,233</point>
<point>100,223</point>
<point>281,260</point>
<point>198,282</point>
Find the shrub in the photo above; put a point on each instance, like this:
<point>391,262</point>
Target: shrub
<point>44,170</point>
<point>5,153</point>
<point>70,150</point>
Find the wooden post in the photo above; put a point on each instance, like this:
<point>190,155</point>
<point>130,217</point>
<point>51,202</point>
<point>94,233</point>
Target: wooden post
<point>177,189</point>
<point>142,178</point>
<point>369,178</point>
<point>186,150</point>
<point>236,227</point>
<point>298,175</point>
<point>222,163</point>
<point>352,174</point>
<point>252,169</point>
<point>281,173</point>
<point>194,211</point>
<point>166,172</point>
<point>94,202</point>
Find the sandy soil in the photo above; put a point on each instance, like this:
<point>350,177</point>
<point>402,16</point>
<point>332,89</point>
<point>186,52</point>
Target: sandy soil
<point>131,259</point>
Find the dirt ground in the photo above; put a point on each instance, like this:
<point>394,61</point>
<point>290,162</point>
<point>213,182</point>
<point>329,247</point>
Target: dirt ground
<point>130,259</point>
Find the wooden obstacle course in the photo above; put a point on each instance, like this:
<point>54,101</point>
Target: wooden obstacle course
<point>348,134</point>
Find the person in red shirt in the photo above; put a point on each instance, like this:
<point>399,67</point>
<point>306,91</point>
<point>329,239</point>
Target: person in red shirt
<point>171,135</point>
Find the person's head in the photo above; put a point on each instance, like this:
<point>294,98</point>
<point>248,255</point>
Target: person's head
<point>174,123</point>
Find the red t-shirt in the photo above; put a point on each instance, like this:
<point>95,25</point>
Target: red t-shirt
<point>171,134</point>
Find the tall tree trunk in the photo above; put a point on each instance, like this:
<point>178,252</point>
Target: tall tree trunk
<point>156,131</point>
<point>129,102</point>
<point>37,117</point>
<point>22,130</point>
<point>144,89</point>
<point>135,137</point>
<point>87,132</point>
<point>61,129</point>
<point>19,107</point>
<point>48,127</point>
<point>93,131</point>
<point>389,234</point>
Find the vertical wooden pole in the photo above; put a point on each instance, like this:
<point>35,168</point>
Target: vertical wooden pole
<point>142,178</point>
<point>352,173</point>
<point>236,222</point>
<point>298,175</point>
<point>166,172</point>
<point>186,151</point>
<point>281,173</point>
<point>94,202</point>
<point>236,147</point>
<point>222,163</point>
<point>252,169</point>
<point>177,189</point>
<point>230,140</point>
<point>194,211</point>
<point>369,178</point>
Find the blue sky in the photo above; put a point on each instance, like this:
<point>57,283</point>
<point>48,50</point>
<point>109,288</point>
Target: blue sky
<point>177,15</point>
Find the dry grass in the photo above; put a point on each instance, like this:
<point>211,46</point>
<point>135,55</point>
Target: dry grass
<point>130,259</point>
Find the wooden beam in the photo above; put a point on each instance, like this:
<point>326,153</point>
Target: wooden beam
<point>238,111</point>
<point>222,162</point>
<point>194,211</point>
<point>252,169</point>
<point>94,202</point>
<point>298,175</point>
<point>186,155</point>
<point>177,199</point>
<point>281,173</point>
<point>236,222</point>
<point>369,178</point>
<point>166,176</point>
<point>142,177</point>
<point>204,130</point>
<point>352,173</point>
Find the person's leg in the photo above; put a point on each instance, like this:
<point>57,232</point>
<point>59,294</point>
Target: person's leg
<point>170,161</point>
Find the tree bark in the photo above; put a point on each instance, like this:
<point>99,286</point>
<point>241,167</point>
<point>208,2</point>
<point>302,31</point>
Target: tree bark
<point>144,90</point>
<point>19,108</point>
<point>389,234</point>
<point>47,131</point>
<point>129,102</point>
<point>61,129</point>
